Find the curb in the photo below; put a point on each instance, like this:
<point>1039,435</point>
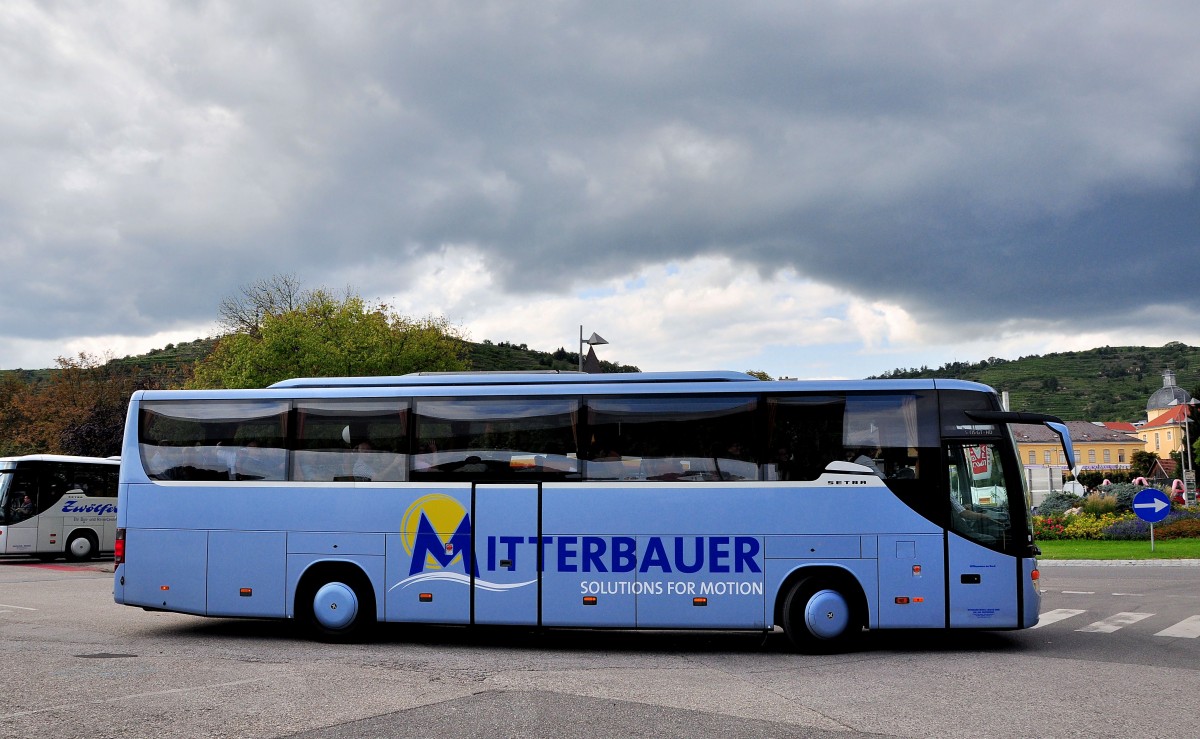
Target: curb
<point>1119,562</point>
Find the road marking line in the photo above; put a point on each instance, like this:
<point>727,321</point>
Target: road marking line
<point>1112,623</point>
<point>1188,628</point>
<point>22,608</point>
<point>1058,614</point>
<point>98,701</point>
<point>1079,592</point>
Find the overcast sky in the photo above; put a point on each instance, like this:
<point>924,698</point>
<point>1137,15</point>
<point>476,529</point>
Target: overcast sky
<point>810,189</point>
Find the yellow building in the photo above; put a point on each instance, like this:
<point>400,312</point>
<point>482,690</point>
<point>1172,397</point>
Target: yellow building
<point>1096,448</point>
<point>1166,413</point>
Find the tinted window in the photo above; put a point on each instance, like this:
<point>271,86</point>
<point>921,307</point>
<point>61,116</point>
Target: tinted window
<point>883,432</point>
<point>204,440</point>
<point>956,422</point>
<point>97,480</point>
<point>342,440</point>
<point>671,438</point>
<point>93,480</point>
<point>496,438</point>
<point>805,434</point>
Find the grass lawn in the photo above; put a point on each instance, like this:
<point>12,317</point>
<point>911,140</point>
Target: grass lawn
<point>1089,549</point>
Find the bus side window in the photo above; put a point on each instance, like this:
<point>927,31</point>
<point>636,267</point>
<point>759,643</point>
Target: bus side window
<point>804,435</point>
<point>497,438</point>
<point>363,440</point>
<point>187,440</point>
<point>887,430</point>
<point>108,479</point>
<point>677,438</point>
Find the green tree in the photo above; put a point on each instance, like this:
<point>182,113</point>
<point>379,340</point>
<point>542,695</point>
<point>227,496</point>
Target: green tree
<point>1141,462</point>
<point>324,336</point>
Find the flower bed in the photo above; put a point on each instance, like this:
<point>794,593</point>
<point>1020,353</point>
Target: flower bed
<point>1078,524</point>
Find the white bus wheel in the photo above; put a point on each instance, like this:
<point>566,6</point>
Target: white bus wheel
<point>80,547</point>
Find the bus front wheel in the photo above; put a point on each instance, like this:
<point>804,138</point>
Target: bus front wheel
<point>80,547</point>
<point>335,607</point>
<point>819,616</point>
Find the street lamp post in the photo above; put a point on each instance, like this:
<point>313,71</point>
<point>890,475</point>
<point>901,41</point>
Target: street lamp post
<point>1185,455</point>
<point>1189,473</point>
<point>592,340</point>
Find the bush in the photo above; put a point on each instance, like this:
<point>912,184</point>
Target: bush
<point>1179,524</point>
<point>1095,478</point>
<point>1099,505</point>
<point>1056,503</point>
<point>1128,529</point>
<point>1183,528</point>
<point>1123,492</point>
<point>1086,526</point>
<point>1049,528</point>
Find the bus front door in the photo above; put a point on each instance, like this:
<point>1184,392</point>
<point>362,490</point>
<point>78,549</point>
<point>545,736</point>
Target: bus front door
<point>20,508</point>
<point>982,576</point>
<point>505,535</point>
<point>20,538</point>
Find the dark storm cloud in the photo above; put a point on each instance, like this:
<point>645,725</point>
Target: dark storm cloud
<point>968,162</point>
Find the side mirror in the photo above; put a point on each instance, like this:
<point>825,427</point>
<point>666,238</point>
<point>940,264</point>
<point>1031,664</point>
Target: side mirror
<point>1064,436</point>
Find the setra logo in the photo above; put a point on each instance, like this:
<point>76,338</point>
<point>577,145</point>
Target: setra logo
<point>436,531</point>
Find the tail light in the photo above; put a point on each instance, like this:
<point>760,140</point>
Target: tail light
<point>119,547</point>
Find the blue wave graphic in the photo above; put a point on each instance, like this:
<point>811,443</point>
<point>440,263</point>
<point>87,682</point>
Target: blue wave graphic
<point>460,577</point>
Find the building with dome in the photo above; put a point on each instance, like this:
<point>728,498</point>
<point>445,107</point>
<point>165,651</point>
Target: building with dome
<point>1101,446</point>
<point>1166,418</point>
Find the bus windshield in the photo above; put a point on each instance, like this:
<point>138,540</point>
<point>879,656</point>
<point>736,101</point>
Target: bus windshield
<point>16,503</point>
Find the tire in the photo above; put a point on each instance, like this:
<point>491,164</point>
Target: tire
<point>80,547</point>
<point>336,608</point>
<point>820,617</point>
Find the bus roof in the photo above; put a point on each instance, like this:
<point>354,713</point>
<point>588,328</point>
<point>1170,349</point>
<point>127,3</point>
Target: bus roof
<point>61,458</point>
<point>555,382</point>
<point>534,377</point>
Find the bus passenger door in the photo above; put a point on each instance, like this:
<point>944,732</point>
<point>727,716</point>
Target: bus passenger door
<point>21,537</point>
<point>506,583</point>
<point>982,577</point>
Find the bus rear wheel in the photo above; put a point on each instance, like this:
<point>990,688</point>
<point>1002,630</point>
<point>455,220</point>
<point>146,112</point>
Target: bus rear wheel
<point>80,547</point>
<point>336,607</point>
<point>819,616</point>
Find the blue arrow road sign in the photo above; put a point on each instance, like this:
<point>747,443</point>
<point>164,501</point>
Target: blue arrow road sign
<point>1151,505</point>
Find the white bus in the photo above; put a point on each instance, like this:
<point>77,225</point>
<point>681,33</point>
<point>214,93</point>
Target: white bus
<point>53,505</point>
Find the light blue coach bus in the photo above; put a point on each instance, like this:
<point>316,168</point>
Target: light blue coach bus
<point>649,500</point>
